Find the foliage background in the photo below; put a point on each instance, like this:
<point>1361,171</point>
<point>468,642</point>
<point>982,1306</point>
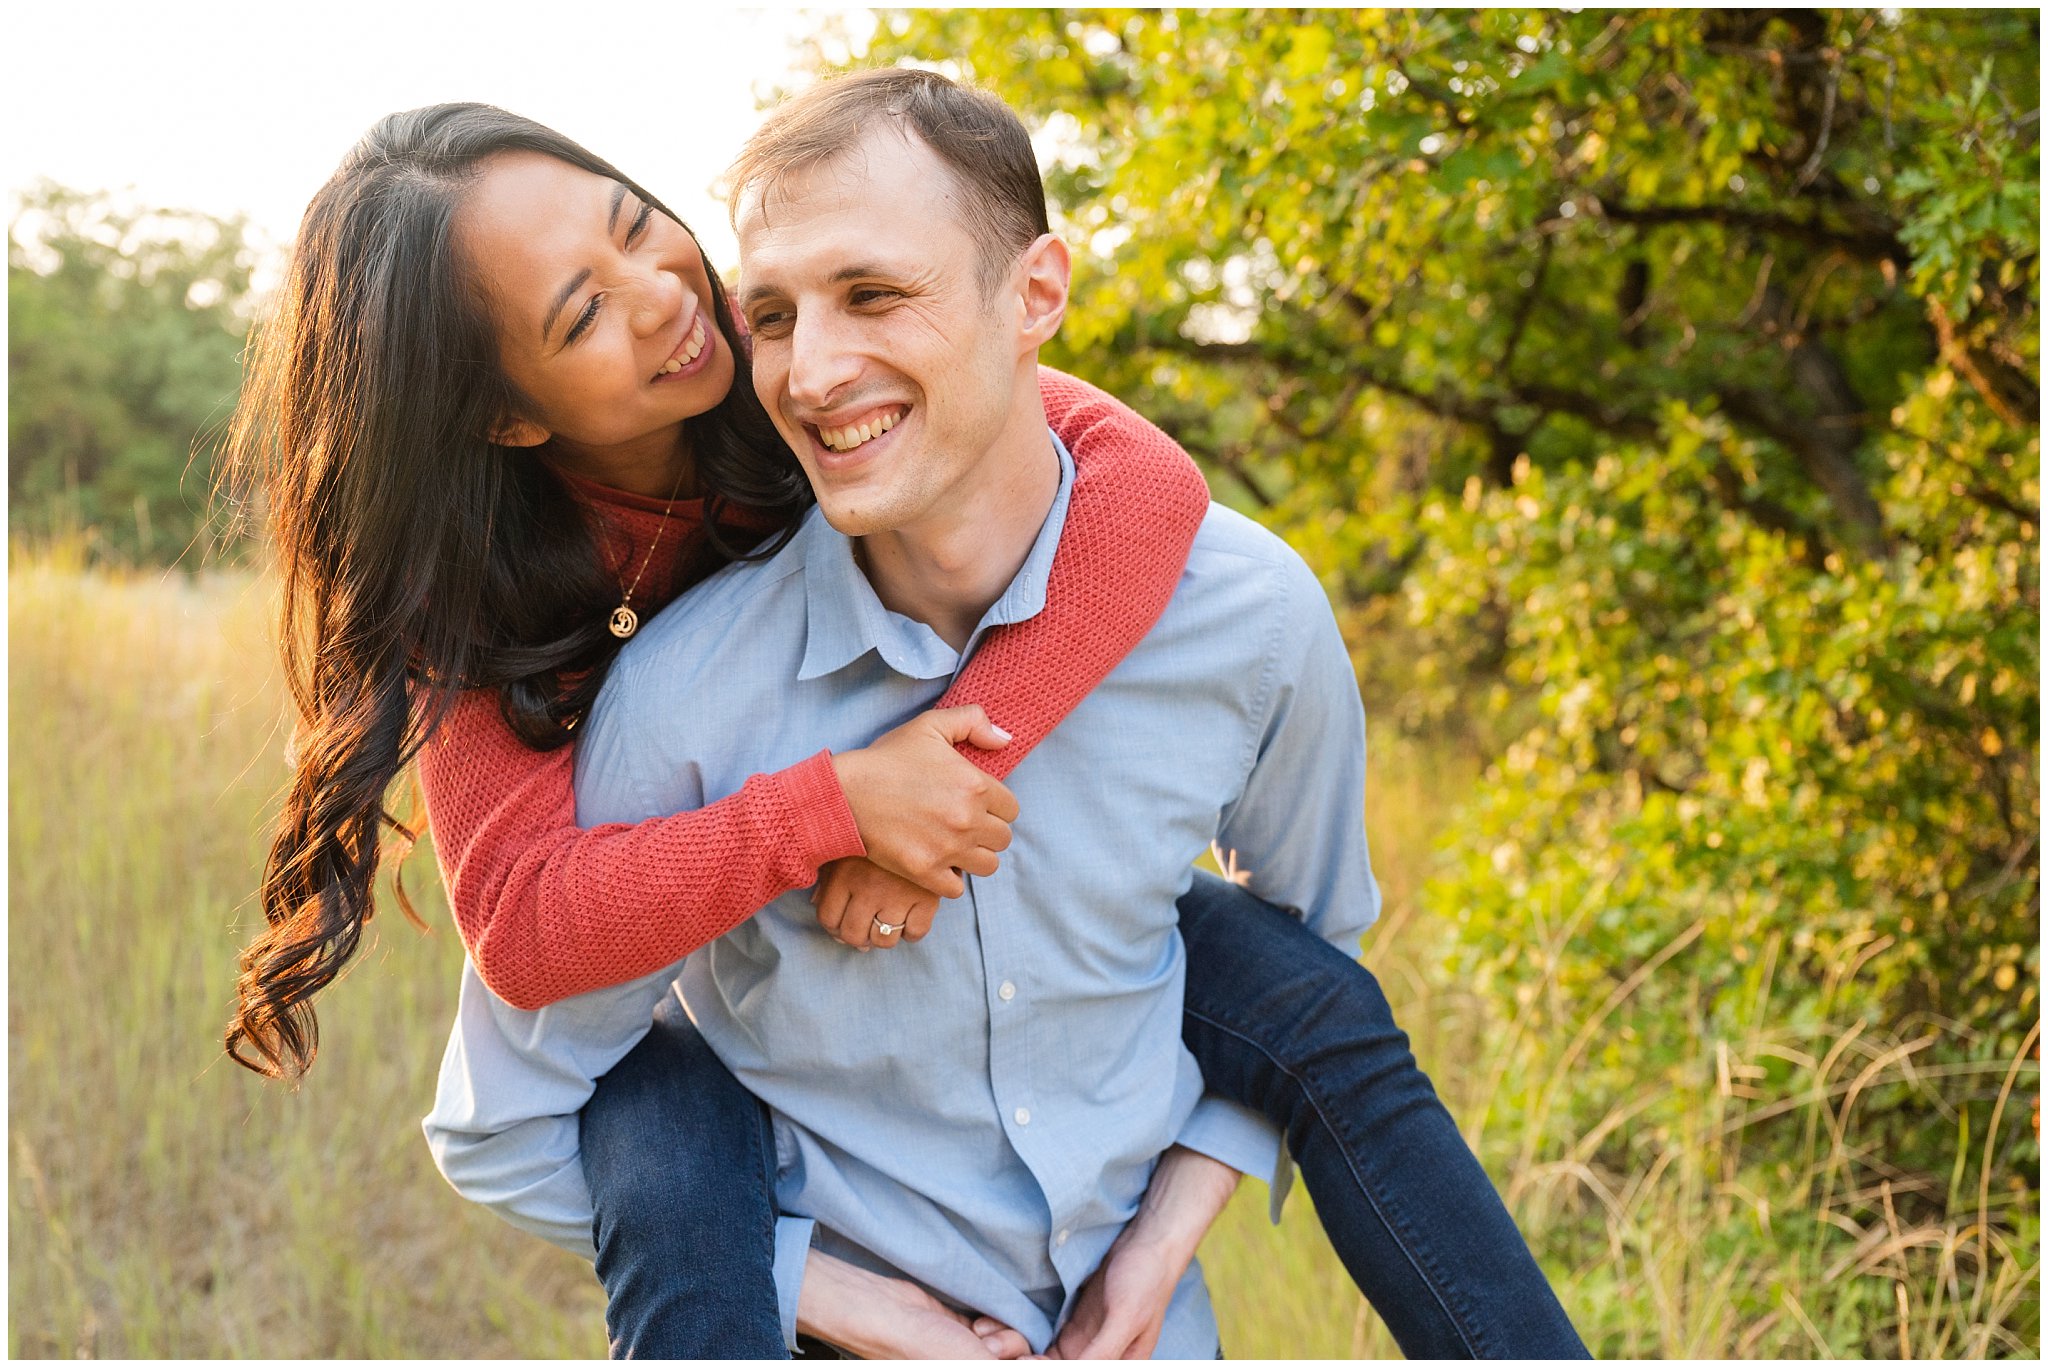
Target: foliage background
<point>1657,395</point>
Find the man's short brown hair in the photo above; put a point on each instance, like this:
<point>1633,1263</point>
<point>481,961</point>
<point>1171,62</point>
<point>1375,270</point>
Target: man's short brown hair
<point>983,144</point>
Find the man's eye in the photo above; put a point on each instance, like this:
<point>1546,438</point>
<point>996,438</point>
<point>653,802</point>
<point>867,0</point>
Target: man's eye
<point>873,294</point>
<point>639,224</point>
<point>768,321</point>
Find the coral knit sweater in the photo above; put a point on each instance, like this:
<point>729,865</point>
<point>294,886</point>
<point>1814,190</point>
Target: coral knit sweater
<point>548,909</point>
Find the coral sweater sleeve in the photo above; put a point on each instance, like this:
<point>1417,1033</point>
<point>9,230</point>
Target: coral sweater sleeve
<point>548,909</point>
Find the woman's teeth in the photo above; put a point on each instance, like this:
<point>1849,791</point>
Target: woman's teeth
<point>847,438</point>
<point>693,347</point>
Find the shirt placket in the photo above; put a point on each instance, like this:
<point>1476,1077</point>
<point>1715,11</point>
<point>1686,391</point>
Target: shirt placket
<point>1025,1111</point>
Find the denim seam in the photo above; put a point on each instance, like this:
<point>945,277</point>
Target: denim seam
<point>1401,1239</point>
<point>771,1175</point>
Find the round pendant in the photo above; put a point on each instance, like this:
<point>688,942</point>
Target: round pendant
<point>624,622</point>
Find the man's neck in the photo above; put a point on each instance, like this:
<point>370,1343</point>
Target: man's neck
<point>947,571</point>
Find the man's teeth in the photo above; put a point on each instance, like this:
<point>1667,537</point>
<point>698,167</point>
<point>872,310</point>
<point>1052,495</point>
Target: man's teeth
<point>693,347</point>
<point>847,438</point>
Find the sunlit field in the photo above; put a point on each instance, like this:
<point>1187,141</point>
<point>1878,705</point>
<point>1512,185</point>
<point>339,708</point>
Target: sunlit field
<point>163,1202</point>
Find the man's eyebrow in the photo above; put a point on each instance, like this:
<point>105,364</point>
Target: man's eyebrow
<point>859,270</point>
<point>547,325</point>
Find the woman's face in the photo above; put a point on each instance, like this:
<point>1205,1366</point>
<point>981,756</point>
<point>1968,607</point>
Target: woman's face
<point>602,303</point>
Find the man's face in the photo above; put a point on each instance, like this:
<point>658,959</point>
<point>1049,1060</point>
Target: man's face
<point>883,364</point>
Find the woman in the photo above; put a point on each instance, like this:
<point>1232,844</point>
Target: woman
<point>460,563</point>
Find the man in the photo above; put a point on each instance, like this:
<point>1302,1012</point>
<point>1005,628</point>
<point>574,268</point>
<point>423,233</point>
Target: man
<point>984,1114</point>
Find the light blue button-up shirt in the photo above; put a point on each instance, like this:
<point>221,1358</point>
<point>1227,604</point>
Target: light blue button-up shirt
<point>981,1111</point>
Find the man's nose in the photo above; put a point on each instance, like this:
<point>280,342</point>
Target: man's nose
<point>821,360</point>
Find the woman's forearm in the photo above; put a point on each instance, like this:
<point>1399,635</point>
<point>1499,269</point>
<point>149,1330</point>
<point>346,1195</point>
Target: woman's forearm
<point>548,910</point>
<point>1136,505</point>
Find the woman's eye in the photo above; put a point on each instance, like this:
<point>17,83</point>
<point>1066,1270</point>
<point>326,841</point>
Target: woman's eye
<point>639,224</point>
<point>586,318</point>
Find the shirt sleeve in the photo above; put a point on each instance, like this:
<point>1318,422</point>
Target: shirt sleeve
<point>1298,830</point>
<point>1298,825</point>
<point>504,1129</point>
<point>548,910</point>
<point>1136,504</point>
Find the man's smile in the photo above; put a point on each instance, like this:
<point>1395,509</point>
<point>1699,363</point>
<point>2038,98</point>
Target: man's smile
<point>848,434</point>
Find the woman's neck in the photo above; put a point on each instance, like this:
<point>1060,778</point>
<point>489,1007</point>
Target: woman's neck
<point>657,466</point>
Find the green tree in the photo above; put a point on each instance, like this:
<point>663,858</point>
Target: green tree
<point>125,331</point>
<point>1666,385</point>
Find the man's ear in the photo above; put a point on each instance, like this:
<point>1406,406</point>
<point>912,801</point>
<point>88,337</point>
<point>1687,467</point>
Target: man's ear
<point>518,432</point>
<point>1047,271</point>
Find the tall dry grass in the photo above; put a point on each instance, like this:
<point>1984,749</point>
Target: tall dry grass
<point>164,1203</point>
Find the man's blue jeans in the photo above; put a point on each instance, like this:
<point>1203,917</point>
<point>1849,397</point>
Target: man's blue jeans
<point>680,1159</point>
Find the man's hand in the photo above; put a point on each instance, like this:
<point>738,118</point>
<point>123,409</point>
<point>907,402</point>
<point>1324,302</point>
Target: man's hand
<point>852,895</point>
<point>924,811</point>
<point>874,1317</point>
<point>1122,1306</point>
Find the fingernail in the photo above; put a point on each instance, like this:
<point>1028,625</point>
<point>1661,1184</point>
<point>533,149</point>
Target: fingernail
<point>992,1344</point>
<point>999,731</point>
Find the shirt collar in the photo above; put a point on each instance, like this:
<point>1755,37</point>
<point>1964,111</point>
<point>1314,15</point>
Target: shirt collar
<point>846,620</point>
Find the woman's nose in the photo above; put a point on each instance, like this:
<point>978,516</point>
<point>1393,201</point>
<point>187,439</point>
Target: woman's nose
<point>658,296</point>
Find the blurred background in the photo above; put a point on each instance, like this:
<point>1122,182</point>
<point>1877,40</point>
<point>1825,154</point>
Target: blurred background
<point>1656,393</point>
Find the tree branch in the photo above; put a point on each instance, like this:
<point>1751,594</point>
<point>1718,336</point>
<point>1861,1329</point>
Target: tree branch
<point>1868,244</point>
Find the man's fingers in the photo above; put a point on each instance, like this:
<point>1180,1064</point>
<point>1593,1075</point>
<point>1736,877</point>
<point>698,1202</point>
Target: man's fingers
<point>969,724</point>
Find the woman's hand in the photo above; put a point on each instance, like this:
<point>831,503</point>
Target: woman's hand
<point>856,899</point>
<point>924,812</point>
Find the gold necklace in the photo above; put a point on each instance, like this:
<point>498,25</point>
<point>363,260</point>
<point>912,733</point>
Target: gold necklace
<point>625,621</point>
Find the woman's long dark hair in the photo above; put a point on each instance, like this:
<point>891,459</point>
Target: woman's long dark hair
<point>416,557</point>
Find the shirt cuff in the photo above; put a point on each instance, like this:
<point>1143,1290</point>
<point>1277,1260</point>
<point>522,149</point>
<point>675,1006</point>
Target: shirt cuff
<point>792,1250</point>
<point>1243,1139</point>
<point>824,818</point>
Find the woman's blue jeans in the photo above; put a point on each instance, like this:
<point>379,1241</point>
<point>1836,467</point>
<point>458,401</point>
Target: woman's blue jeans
<point>680,1159</point>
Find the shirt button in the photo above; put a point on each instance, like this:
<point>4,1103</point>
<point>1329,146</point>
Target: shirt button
<point>1023,1116</point>
<point>1007,991</point>
<point>1060,1238</point>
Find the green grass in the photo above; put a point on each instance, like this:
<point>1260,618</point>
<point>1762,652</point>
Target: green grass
<point>163,1202</point>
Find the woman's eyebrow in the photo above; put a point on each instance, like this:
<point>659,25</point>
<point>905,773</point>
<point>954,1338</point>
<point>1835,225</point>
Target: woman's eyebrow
<point>547,325</point>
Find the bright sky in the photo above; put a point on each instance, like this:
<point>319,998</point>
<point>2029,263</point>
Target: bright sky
<point>226,105</point>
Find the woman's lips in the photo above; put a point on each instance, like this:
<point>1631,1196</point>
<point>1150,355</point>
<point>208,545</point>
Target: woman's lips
<point>692,355</point>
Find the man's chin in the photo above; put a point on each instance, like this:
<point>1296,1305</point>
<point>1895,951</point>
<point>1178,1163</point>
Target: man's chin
<point>850,517</point>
